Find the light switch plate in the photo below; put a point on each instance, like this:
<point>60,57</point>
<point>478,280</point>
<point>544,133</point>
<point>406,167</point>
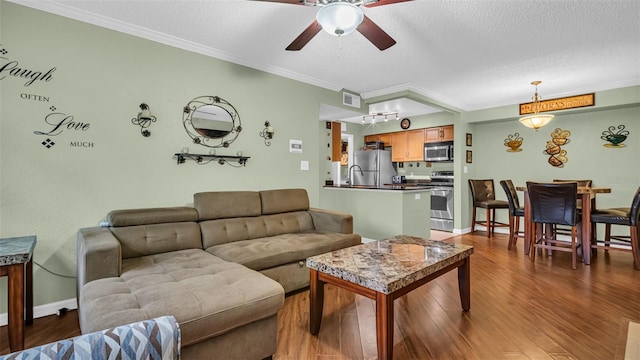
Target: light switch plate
<point>417,196</point>
<point>304,165</point>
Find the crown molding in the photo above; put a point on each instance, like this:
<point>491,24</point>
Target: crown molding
<point>159,37</point>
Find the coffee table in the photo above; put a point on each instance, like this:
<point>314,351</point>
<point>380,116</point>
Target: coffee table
<point>16,262</point>
<point>384,271</point>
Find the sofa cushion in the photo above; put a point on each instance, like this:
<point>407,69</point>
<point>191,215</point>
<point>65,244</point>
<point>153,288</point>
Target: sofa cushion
<point>227,204</point>
<point>207,295</point>
<point>259,254</point>
<point>144,240</point>
<point>132,217</point>
<point>284,200</point>
<point>215,232</point>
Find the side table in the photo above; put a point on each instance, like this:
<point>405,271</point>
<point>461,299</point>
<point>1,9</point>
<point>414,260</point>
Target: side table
<point>16,263</point>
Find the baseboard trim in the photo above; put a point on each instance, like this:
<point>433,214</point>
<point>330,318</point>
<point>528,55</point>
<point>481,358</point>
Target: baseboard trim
<point>45,310</point>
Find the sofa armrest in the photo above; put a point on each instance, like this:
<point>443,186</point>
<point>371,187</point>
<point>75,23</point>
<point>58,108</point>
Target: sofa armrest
<point>157,338</point>
<point>99,255</point>
<point>329,220</point>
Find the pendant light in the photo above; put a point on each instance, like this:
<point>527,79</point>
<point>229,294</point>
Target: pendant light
<point>536,120</point>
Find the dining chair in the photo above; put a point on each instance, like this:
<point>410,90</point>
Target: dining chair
<point>581,183</point>
<point>554,204</point>
<point>515,212</point>
<point>619,216</point>
<point>484,196</point>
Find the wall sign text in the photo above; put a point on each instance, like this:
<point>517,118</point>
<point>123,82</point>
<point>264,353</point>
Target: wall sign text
<point>564,103</point>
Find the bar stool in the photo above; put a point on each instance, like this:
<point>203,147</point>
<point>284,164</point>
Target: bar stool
<point>515,212</point>
<point>484,197</point>
<point>620,216</point>
<point>554,204</point>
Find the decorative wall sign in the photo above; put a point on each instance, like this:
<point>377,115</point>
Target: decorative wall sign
<point>564,103</point>
<point>469,139</point>
<point>615,139</point>
<point>12,68</point>
<point>513,142</point>
<point>469,157</point>
<point>557,155</point>
<point>55,122</point>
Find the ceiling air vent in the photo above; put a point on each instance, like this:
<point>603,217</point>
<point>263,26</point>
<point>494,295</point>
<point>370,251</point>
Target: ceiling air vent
<point>351,100</point>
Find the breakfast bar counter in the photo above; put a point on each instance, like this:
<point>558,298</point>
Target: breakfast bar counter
<point>380,213</point>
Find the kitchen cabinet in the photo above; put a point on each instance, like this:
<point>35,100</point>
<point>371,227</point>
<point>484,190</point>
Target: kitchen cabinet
<point>383,138</point>
<point>438,134</point>
<point>407,145</point>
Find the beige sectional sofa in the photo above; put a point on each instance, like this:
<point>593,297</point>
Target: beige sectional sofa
<point>221,268</point>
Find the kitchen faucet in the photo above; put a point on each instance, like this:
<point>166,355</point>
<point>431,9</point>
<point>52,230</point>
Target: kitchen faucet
<point>349,174</point>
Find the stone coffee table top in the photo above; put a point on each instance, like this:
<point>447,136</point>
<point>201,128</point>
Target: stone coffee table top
<point>388,265</point>
<point>17,250</point>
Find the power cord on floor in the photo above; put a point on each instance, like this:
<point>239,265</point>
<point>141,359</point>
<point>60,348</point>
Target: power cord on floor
<point>51,272</point>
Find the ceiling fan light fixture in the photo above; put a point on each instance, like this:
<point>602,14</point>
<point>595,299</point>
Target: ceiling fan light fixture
<point>339,18</point>
<point>536,120</point>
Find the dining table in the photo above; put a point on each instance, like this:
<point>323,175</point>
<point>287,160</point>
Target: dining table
<point>586,193</point>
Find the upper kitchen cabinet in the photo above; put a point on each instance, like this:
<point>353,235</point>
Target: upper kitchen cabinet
<point>407,145</point>
<point>383,138</point>
<point>439,134</point>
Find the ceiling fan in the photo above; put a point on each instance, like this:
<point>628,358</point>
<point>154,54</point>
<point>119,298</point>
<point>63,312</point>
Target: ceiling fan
<point>342,17</point>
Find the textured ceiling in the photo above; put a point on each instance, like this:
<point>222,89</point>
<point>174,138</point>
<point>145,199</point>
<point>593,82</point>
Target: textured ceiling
<point>467,54</point>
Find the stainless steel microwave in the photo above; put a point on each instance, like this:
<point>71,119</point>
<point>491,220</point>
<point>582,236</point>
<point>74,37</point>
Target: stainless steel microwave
<point>438,152</point>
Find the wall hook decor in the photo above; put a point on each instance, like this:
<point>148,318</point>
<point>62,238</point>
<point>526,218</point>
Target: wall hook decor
<point>144,119</point>
<point>267,133</point>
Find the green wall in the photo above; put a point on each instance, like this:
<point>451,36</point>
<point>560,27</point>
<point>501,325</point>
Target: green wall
<point>100,78</point>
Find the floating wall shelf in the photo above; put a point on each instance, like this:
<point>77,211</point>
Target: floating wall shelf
<point>235,161</point>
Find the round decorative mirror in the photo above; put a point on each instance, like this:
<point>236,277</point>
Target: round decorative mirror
<point>211,121</point>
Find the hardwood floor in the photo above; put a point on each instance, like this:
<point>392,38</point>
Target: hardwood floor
<point>519,310</point>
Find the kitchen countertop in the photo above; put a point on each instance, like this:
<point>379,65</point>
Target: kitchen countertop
<point>395,187</point>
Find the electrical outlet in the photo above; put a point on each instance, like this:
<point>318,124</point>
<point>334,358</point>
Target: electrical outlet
<point>304,165</point>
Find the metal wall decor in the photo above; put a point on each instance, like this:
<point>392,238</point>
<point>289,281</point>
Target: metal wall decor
<point>557,155</point>
<point>201,159</point>
<point>144,119</point>
<point>615,139</point>
<point>513,142</point>
<point>267,133</point>
<point>211,121</point>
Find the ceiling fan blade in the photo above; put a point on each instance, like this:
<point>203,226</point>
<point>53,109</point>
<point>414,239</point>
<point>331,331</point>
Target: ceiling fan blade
<point>375,34</point>
<point>305,36</point>
<point>295,2</point>
<point>384,2</point>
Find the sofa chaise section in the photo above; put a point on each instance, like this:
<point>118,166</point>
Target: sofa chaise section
<point>271,231</point>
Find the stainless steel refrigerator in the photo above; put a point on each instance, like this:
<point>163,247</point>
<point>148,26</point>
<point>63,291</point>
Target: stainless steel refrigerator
<point>372,167</point>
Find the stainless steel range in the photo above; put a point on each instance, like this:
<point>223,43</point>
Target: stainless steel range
<point>442,200</point>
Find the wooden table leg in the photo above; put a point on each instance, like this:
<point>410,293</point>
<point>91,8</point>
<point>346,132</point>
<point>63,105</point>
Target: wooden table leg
<point>586,228</point>
<point>528,228</point>
<point>28,301</point>
<point>316,302</point>
<point>384,326</point>
<point>464,284</point>
<point>16,306</point>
